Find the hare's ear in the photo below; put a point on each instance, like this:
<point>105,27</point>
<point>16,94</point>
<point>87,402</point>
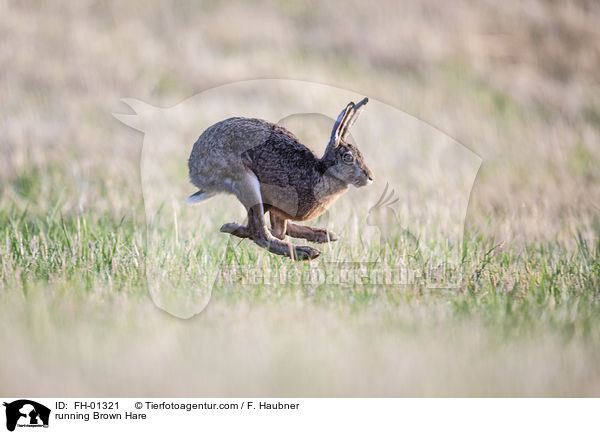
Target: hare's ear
<point>337,126</point>
<point>358,108</point>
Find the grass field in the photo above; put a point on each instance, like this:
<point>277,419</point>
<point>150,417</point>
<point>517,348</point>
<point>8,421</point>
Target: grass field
<point>517,84</point>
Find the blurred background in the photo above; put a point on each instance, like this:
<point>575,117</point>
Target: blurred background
<point>517,82</point>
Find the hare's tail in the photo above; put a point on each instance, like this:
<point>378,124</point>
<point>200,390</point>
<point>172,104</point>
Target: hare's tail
<point>199,196</point>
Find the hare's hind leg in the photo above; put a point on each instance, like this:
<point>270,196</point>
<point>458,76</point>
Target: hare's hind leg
<point>247,190</point>
<point>309,233</point>
<point>278,228</point>
<point>236,229</point>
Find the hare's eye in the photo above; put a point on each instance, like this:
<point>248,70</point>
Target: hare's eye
<point>348,158</point>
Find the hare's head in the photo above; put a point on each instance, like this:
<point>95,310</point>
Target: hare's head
<point>344,160</point>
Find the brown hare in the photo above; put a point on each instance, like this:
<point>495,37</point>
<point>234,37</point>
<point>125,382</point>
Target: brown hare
<point>268,169</point>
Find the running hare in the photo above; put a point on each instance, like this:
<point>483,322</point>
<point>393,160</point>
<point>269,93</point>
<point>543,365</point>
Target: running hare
<point>268,169</point>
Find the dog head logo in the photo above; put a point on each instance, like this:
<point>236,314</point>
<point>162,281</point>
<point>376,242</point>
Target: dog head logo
<point>26,413</point>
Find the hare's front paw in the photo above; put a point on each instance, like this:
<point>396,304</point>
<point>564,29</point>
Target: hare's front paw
<point>305,253</point>
<point>318,235</point>
<point>326,236</point>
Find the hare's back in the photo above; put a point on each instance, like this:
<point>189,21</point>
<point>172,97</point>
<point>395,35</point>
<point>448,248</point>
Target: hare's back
<point>231,135</point>
<point>217,154</point>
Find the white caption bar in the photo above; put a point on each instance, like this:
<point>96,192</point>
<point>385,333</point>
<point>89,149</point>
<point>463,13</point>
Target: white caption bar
<point>91,415</point>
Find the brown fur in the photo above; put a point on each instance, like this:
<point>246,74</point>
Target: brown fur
<point>268,169</point>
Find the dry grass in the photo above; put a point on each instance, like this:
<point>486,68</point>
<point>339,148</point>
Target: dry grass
<point>517,83</point>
